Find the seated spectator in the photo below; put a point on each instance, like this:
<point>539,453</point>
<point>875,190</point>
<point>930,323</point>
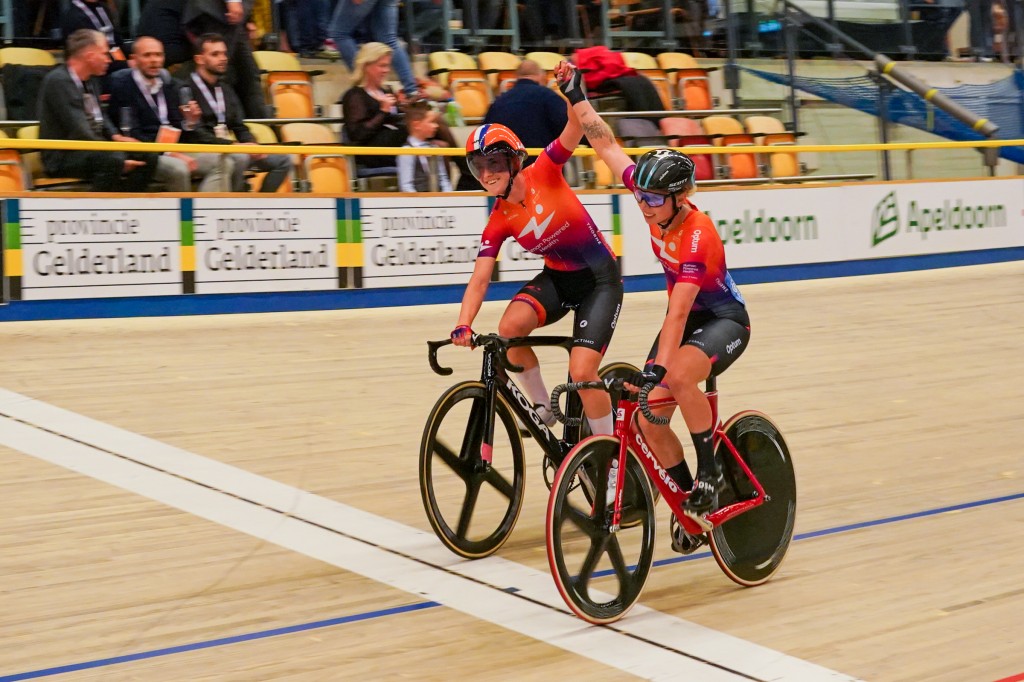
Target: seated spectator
<point>69,109</point>
<point>222,116</point>
<point>422,173</point>
<point>146,103</point>
<point>374,116</point>
<point>532,110</point>
<point>227,18</point>
<point>93,14</point>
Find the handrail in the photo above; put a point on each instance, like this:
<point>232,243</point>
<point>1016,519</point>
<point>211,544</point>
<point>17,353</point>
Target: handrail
<point>303,150</point>
<point>888,68</point>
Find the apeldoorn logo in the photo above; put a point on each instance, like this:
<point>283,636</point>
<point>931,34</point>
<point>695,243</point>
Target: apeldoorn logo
<point>951,215</point>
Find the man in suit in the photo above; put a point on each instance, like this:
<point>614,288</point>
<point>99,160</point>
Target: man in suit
<point>145,102</point>
<point>69,109</point>
<point>222,116</point>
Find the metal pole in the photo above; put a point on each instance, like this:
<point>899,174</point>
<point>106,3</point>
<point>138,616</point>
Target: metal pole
<point>732,75</point>
<point>789,29</point>
<point>907,48</point>
<point>883,123</point>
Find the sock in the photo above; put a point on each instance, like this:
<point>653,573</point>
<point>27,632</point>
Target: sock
<point>680,473</point>
<point>545,414</point>
<point>602,426</point>
<point>533,382</point>
<point>703,442</point>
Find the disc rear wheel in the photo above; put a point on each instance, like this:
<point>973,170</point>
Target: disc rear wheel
<point>750,547</point>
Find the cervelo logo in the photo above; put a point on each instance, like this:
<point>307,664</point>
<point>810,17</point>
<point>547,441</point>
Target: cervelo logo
<point>526,405</point>
<point>694,241</point>
<point>951,215</point>
<point>662,474</point>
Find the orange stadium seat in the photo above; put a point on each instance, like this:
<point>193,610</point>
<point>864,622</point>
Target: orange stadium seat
<point>289,87</point>
<point>686,132</point>
<point>769,131</point>
<point>500,68</point>
<point>729,132</point>
<point>690,79</point>
<point>326,173</point>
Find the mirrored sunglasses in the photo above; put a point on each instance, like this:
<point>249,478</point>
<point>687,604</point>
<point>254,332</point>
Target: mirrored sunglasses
<point>653,199</point>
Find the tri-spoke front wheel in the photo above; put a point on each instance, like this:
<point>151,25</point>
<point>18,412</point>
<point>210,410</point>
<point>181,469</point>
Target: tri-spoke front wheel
<point>599,571</point>
<point>472,505</point>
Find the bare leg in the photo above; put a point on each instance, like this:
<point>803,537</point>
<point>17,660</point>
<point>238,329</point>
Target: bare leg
<point>583,366</point>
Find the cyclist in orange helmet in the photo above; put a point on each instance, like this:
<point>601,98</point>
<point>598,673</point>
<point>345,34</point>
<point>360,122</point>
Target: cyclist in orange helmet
<point>536,207</point>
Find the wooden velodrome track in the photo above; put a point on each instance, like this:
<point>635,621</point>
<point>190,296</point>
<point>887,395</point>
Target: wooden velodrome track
<point>236,498</point>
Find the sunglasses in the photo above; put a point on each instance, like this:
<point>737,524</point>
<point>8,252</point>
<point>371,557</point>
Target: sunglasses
<point>653,199</point>
<point>493,163</point>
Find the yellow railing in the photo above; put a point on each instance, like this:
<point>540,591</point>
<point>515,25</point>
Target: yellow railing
<point>35,145</point>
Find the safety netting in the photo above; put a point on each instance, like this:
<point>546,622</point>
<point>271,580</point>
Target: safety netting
<point>1001,102</point>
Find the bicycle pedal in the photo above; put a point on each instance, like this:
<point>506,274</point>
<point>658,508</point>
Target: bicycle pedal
<point>700,519</point>
<point>684,543</point>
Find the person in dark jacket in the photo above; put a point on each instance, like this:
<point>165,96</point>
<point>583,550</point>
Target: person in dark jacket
<point>530,108</point>
<point>222,118</point>
<point>94,14</point>
<point>145,103</point>
<point>69,109</point>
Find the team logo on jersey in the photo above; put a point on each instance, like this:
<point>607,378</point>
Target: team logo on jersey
<point>659,245</point>
<point>537,228</point>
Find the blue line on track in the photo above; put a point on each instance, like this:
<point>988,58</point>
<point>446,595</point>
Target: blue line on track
<point>46,672</point>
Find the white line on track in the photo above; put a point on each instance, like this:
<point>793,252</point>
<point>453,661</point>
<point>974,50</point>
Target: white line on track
<point>646,643</point>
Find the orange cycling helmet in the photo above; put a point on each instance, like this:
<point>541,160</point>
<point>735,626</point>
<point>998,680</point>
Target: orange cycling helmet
<point>497,148</point>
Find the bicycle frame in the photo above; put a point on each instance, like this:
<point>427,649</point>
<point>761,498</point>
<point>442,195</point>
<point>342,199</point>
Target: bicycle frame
<point>497,381</point>
<point>627,416</point>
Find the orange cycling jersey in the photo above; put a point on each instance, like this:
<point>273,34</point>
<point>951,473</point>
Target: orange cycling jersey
<point>551,222</point>
<point>693,253</point>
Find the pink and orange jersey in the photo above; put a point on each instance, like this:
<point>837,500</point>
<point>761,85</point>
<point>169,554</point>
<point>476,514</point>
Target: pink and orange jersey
<point>693,253</point>
<point>551,222</point>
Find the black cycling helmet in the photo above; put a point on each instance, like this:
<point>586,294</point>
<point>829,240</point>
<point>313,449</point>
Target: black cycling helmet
<point>665,171</point>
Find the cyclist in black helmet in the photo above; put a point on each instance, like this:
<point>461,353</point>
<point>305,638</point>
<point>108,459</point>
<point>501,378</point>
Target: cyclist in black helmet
<point>706,327</point>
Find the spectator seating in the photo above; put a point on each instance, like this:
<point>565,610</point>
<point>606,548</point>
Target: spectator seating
<point>686,132</point>
<point>769,131</point>
<point>547,61</point>
<point>33,163</point>
<point>264,134</point>
<point>729,132</point>
<point>288,86</point>
<point>500,68</point>
<point>12,177</point>
<point>445,65</point>
<point>325,173</point>
<point>646,65</point>
<point>26,56</point>
<point>690,79</point>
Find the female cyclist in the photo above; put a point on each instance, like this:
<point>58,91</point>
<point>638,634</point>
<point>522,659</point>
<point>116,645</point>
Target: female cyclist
<point>706,327</point>
<point>536,207</point>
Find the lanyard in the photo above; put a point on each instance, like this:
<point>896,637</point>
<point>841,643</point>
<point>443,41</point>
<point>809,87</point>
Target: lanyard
<point>216,104</point>
<point>105,26</point>
<point>92,107</point>
<point>160,105</point>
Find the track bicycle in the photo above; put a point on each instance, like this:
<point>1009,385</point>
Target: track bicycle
<point>472,464</point>
<point>600,563</point>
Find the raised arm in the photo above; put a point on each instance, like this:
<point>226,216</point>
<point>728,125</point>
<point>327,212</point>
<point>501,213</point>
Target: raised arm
<point>599,135</point>
<point>572,133</point>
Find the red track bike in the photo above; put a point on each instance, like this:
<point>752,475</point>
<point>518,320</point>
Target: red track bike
<point>600,544</point>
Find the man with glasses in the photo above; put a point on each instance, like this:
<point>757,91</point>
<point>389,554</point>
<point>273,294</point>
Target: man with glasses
<point>706,327</point>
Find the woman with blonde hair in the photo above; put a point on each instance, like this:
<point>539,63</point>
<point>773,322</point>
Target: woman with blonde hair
<point>374,112</point>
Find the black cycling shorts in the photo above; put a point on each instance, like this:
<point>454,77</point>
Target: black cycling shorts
<point>553,293</point>
<point>721,339</point>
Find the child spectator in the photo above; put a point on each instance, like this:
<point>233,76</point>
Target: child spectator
<point>422,173</point>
